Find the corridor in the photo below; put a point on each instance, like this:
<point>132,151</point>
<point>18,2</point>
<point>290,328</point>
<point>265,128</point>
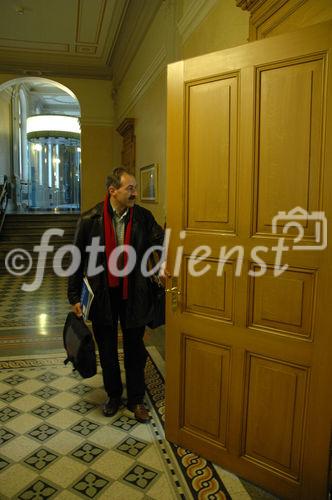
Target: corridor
<point>54,439</point>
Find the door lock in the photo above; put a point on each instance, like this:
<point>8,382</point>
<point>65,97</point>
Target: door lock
<point>174,291</point>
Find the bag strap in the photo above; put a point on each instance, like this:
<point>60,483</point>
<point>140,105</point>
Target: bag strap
<point>152,262</point>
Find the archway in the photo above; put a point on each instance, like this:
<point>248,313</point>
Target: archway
<point>40,144</point>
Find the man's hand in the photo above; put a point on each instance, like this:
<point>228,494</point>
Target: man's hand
<point>164,274</point>
<point>77,310</point>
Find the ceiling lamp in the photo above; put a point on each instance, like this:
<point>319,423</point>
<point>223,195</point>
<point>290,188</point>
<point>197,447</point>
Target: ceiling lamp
<point>53,126</point>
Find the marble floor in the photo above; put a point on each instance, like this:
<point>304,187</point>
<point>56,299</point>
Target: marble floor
<point>31,326</point>
<point>32,322</point>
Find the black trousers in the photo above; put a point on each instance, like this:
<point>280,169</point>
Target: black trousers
<point>135,354</point>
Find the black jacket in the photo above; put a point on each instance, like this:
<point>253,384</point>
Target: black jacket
<point>145,233</point>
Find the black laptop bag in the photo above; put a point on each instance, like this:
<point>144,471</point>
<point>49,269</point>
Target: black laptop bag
<point>80,346</point>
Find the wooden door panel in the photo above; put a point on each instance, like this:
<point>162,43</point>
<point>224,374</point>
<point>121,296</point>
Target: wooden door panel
<point>209,294</point>
<point>276,404</point>
<point>248,136</point>
<point>212,108</point>
<point>289,137</point>
<point>205,411</point>
<point>283,304</point>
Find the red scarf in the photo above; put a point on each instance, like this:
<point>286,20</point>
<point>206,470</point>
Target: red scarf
<point>110,245</point>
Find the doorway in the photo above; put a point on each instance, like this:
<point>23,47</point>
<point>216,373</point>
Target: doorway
<point>41,145</point>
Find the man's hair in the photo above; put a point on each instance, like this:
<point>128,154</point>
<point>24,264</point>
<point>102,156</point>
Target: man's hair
<point>115,178</point>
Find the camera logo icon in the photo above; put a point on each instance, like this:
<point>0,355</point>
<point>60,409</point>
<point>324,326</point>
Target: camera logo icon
<point>295,219</point>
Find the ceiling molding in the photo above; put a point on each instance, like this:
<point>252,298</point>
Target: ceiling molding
<point>33,46</point>
<point>151,73</point>
<point>118,16</point>
<point>97,38</point>
<point>134,27</point>
<point>89,30</point>
<point>54,71</point>
<point>84,18</point>
<point>196,11</point>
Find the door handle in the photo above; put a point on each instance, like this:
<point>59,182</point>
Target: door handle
<point>174,289</point>
<point>175,292</point>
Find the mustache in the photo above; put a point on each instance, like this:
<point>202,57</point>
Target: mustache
<point>132,197</point>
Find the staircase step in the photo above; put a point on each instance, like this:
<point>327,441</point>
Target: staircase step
<point>25,231</point>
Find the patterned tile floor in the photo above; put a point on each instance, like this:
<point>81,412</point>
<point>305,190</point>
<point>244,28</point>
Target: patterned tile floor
<point>54,441</point>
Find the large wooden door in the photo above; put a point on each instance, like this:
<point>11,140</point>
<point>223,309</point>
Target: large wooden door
<point>248,357</point>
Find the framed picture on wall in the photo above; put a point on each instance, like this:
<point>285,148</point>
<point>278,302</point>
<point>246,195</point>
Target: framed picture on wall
<point>149,183</point>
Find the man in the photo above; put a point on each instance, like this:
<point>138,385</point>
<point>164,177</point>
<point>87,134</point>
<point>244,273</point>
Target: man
<point>117,221</point>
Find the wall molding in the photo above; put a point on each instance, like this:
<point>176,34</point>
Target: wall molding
<point>157,63</point>
<point>134,27</point>
<point>193,16</point>
<point>151,73</point>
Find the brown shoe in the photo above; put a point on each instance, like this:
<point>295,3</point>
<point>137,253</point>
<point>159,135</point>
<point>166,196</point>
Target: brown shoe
<point>140,412</point>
